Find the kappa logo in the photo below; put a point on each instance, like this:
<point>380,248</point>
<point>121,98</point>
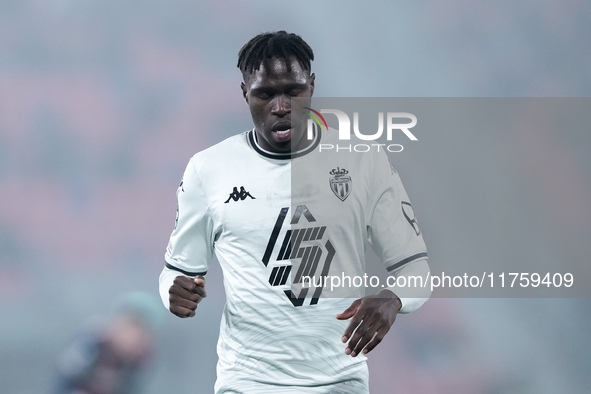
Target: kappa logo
<point>239,195</point>
<point>340,183</point>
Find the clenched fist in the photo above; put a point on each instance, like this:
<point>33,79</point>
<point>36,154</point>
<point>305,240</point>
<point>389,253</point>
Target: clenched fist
<point>184,295</point>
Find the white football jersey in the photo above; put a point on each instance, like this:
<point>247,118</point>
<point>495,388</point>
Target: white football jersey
<point>272,219</point>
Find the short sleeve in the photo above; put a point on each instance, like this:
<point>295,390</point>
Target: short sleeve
<point>190,247</point>
<point>393,230</point>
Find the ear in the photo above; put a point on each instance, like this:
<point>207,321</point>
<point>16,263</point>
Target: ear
<point>243,87</point>
<point>312,79</point>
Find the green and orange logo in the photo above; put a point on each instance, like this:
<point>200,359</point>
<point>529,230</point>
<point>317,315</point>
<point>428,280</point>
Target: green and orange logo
<point>315,115</point>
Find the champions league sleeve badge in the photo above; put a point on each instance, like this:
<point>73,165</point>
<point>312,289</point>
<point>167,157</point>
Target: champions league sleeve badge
<point>340,183</point>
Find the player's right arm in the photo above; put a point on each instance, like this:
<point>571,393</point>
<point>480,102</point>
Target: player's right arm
<point>190,248</point>
<point>184,293</point>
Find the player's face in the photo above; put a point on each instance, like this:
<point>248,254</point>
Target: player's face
<point>268,92</point>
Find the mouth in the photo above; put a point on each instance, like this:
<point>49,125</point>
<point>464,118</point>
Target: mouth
<point>281,131</point>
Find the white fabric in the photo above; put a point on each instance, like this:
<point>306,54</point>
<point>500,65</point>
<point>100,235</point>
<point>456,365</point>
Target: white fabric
<point>265,338</point>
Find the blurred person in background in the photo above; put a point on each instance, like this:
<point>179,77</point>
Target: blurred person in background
<point>108,357</point>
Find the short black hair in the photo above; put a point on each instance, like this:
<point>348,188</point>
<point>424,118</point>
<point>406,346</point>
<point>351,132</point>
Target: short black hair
<point>278,44</point>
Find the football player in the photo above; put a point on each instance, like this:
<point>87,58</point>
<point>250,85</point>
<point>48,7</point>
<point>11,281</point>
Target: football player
<point>274,209</point>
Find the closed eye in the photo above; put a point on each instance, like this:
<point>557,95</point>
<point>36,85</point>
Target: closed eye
<point>295,92</point>
<point>263,95</point>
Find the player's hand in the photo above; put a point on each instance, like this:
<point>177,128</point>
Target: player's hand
<point>371,319</point>
<point>184,295</point>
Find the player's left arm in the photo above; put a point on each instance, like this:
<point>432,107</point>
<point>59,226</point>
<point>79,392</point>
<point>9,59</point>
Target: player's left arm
<point>394,235</point>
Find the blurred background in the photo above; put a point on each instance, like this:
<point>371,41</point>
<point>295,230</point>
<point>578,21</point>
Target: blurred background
<point>102,103</point>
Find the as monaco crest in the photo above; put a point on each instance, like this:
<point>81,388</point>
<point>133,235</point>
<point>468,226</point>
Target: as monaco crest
<point>340,183</point>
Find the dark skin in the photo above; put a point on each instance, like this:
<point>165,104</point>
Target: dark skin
<point>268,93</point>
<point>185,294</point>
<point>371,319</point>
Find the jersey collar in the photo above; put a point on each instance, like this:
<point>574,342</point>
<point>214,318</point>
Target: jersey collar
<point>284,156</point>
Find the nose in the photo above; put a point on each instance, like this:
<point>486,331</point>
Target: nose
<point>282,105</point>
